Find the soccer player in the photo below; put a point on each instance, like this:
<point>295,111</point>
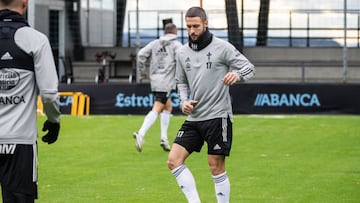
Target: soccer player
<point>27,68</point>
<point>161,54</point>
<point>206,67</point>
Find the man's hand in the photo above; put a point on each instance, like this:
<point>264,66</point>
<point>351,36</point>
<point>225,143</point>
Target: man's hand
<point>53,132</point>
<point>230,78</point>
<point>188,106</point>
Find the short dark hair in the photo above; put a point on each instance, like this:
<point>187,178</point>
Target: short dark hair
<point>196,12</point>
<point>170,28</point>
<point>6,2</point>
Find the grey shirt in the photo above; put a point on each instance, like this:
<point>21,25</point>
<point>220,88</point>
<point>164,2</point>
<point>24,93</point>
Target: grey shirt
<point>161,54</point>
<point>18,117</point>
<point>199,75</point>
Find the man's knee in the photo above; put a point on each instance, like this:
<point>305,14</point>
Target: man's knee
<point>216,164</point>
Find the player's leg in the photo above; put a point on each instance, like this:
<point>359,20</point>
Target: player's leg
<point>151,117</point>
<point>18,175</point>
<point>187,140</point>
<point>218,148</point>
<point>183,176</point>
<point>220,178</point>
<point>149,120</point>
<point>13,197</point>
<point>164,125</point>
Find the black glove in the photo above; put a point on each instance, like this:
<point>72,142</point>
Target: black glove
<point>53,132</point>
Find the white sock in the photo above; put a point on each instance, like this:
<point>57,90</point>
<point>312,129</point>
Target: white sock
<point>222,188</point>
<point>186,182</point>
<point>149,120</point>
<point>164,124</point>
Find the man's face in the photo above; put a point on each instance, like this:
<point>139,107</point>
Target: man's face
<point>195,27</point>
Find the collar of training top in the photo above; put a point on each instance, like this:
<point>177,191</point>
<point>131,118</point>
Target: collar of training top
<point>7,15</point>
<point>202,42</point>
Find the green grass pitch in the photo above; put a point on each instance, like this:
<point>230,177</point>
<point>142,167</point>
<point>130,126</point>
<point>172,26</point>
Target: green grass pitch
<point>274,159</point>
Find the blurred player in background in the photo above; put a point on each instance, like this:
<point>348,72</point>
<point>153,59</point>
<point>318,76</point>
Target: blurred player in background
<point>161,55</point>
<point>27,68</point>
<point>206,67</point>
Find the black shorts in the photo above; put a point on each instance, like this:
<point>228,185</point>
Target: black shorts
<point>18,172</point>
<point>217,133</point>
<point>161,97</point>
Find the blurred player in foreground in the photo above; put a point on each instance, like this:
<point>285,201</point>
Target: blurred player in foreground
<point>161,55</point>
<point>27,68</point>
<point>206,67</point>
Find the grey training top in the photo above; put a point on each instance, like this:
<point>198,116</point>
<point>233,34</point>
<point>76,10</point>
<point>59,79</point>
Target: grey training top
<point>199,75</point>
<point>161,53</point>
<point>18,102</point>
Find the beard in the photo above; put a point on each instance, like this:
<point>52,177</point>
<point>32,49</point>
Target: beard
<point>195,37</point>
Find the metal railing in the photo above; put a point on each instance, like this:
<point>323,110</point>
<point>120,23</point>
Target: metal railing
<point>287,28</point>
